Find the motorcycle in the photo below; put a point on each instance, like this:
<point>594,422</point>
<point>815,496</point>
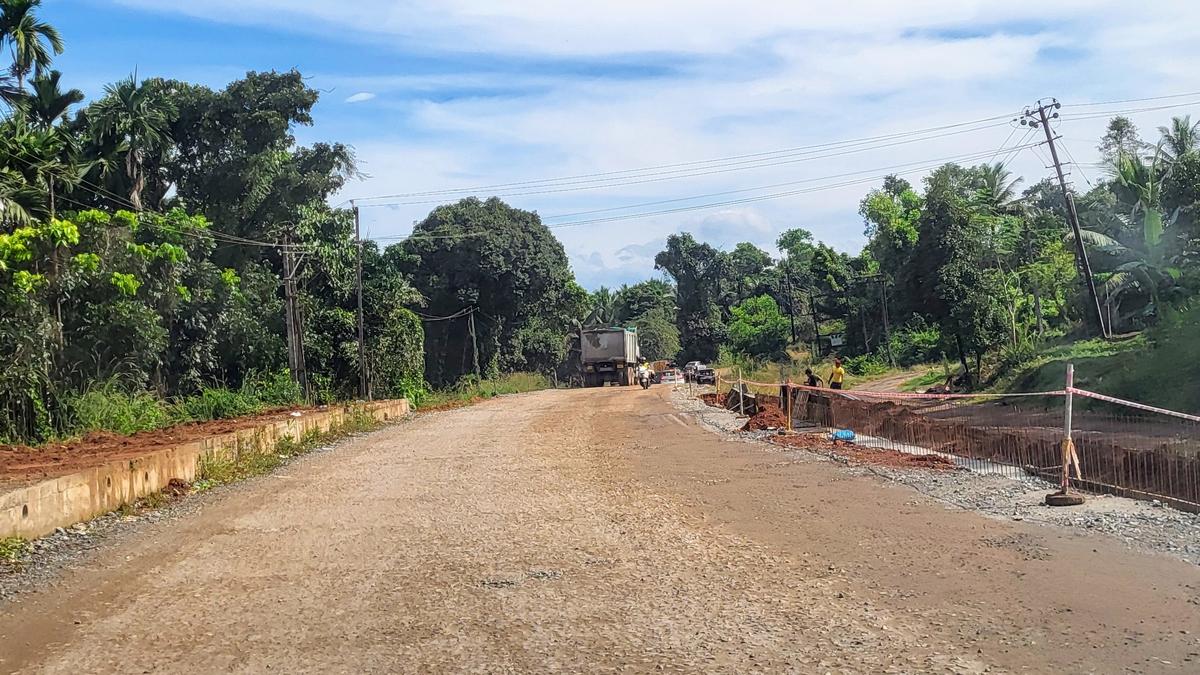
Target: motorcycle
<point>644,379</point>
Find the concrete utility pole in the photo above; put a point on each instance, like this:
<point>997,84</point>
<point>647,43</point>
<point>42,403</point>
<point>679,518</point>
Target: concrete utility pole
<point>1038,117</point>
<point>363,393</point>
<point>791,302</point>
<point>293,317</point>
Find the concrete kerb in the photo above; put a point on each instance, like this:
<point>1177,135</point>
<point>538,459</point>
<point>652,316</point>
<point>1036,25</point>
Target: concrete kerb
<point>36,510</point>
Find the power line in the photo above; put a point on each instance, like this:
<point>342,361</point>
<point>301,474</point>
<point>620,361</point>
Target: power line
<point>656,178</point>
<point>681,167</point>
<point>1132,100</point>
<point>1075,163</point>
<point>967,156</point>
<point>746,200</point>
<point>1129,111</point>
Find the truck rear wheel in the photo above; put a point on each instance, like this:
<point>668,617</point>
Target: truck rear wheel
<point>623,377</point>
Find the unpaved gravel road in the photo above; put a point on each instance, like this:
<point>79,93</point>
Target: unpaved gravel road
<point>597,530</point>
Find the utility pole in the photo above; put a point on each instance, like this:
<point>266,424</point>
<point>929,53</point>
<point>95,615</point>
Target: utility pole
<point>363,392</point>
<point>474,341</point>
<point>791,302</point>
<point>812,301</point>
<point>887,327</point>
<point>293,318</point>
<point>1081,259</point>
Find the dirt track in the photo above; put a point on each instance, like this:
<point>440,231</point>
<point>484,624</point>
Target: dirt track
<point>598,529</point>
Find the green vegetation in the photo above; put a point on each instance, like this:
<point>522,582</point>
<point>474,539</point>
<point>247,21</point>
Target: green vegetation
<point>468,390</point>
<point>220,471</point>
<point>1156,367</point>
<point>12,550</point>
<point>975,271</point>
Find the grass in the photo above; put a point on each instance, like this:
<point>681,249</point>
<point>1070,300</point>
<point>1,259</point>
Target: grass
<point>775,372</point>
<point>12,550</point>
<point>215,471</point>
<point>930,378</point>
<point>469,391</point>
<point>1159,366</point>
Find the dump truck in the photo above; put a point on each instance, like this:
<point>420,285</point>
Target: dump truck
<point>609,355</point>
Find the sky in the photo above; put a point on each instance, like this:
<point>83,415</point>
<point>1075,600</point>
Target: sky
<point>624,103</point>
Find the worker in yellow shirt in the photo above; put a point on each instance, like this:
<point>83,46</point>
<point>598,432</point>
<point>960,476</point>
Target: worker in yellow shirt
<point>837,376</point>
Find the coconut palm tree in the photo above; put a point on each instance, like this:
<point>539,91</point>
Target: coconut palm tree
<point>29,39</point>
<point>1145,265</point>
<point>134,119</point>
<point>999,190</point>
<point>1180,138</point>
<point>603,310</point>
<point>48,104</point>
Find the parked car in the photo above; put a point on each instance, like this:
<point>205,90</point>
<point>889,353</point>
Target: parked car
<point>702,374</point>
<point>689,369</point>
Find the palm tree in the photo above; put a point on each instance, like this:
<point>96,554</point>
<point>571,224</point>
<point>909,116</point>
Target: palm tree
<point>30,40</point>
<point>603,310</point>
<point>135,119</point>
<point>1146,265</point>
<point>47,104</point>
<point>999,191</point>
<point>1180,138</point>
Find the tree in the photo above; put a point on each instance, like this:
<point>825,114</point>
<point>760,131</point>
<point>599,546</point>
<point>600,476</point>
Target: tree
<point>747,265</point>
<point>653,294</point>
<point>132,118</point>
<point>758,328</point>
<point>999,188</point>
<point>602,311</point>
<point>658,336</point>
<point>1121,138</point>
<point>30,40</point>
<point>697,270</point>
<point>1144,265</point>
<point>48,104</point>
<point>1179,139</point>
<point>506,263</point>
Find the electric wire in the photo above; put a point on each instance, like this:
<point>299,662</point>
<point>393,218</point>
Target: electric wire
<point>967,156</point>
<point>679,165</point>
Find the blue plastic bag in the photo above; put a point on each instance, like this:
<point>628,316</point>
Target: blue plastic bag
<point>843,435</point>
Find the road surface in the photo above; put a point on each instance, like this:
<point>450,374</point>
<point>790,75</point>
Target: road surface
<point>596,530</point>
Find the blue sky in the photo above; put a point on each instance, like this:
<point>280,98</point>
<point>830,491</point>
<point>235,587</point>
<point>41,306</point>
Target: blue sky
<point>446,94</point>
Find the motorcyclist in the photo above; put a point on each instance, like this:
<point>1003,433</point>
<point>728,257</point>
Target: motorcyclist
<point>643,372</point>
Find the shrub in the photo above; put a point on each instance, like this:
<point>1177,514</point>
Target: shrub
<point>109,407</point>
<point>865,365</point>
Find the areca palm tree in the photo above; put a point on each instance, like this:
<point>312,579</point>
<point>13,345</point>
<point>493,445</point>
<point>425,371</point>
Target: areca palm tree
<point>30,40</point>
<point>47,104</point>
<point>1180,138</point>
<point>135,120</point>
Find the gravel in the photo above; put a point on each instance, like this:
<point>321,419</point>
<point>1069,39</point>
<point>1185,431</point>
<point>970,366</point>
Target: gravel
<point>51,555</point>
<point>1145,526</point>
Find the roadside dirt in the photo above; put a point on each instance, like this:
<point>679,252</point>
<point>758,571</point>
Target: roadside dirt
<point>595,530</point>
<point>21,464</point>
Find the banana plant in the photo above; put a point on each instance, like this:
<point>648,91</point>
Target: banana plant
<point>1145,267</point>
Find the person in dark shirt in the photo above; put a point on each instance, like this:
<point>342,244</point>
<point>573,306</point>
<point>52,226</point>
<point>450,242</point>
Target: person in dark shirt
<point>810,378</point>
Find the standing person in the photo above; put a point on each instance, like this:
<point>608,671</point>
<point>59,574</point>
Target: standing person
<point>838,375</point>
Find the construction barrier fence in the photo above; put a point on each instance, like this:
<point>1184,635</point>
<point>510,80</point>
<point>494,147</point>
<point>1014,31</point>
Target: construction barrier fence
<point>1072,437</point>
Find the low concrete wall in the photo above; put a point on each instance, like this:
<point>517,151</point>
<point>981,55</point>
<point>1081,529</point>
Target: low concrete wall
<point>39,509</point>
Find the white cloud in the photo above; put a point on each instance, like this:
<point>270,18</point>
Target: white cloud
<point>360,97</point>
<point>740,78</point>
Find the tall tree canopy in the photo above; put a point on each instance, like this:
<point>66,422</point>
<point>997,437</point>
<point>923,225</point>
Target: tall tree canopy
<point>505,263</point>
